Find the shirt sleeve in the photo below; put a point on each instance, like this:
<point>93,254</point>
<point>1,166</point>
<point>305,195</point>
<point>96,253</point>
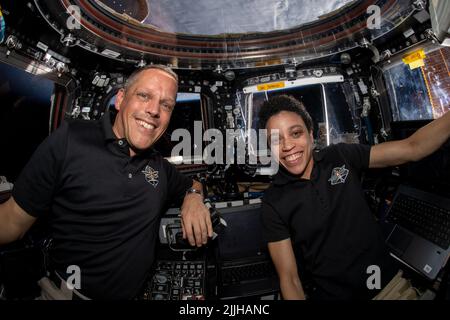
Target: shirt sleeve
<point>274,229</point>
<point>34,189</point>
<point>178,183</point>
<point>356,155</point>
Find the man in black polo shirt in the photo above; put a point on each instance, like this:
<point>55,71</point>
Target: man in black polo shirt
<point>315,217</point>
<point>103,188</point>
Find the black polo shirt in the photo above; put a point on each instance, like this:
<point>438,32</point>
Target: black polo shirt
<point>334,235</point>
<point>102,205</point>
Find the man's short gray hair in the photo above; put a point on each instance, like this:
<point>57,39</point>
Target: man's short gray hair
<point>132,78</point>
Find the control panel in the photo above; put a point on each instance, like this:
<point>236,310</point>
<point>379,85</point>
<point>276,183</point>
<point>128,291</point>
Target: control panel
<point>176,280</point>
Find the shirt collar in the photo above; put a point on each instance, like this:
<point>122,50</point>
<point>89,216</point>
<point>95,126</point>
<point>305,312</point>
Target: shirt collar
<point>107,121</point>
<point>284,177</point>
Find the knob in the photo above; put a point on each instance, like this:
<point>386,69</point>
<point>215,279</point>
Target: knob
<point>161,279</point>
<point>12,42</point>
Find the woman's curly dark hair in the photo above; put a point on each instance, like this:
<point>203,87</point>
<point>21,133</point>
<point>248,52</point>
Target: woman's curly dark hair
<point>280,103</point>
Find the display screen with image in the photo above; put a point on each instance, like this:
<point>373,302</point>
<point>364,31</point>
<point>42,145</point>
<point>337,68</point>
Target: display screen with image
<point>333,121</point>
<point>24,117</point>
<point>422,93</point>
<point>186,114</point>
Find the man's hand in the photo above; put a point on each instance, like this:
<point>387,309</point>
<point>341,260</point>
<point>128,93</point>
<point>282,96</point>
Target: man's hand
<point>195,218</point>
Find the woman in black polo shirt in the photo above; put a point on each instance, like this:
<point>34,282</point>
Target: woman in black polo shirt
<point>315,216</point>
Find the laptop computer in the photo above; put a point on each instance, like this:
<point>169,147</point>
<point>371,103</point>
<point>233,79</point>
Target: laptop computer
<point>244,266</point>
<point>420,230</point>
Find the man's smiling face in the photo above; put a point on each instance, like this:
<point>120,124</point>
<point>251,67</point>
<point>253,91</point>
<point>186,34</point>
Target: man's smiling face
<point>145,108</point>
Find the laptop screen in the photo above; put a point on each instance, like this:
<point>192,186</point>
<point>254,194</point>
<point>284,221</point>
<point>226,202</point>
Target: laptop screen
<point>242,238</point>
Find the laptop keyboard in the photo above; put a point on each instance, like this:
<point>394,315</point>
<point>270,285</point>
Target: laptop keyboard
<point>423,218</point>
<point>249,272</point>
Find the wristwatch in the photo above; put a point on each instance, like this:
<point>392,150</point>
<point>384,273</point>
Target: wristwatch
<point>193,190</point>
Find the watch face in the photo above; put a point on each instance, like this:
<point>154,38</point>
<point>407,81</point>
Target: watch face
<point>193,190</point>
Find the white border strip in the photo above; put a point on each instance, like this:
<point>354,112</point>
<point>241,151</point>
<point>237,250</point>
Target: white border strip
<point>296,83</point>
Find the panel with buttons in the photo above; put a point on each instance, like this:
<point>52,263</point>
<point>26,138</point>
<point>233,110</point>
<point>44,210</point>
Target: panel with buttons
<point>176,280</point>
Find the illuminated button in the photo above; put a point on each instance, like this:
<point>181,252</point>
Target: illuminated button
<point>120,142</point>
<point>161,288</point>
<point>190,283</point>
<point>158,297</point>
<point>130,175</point>
<point>197,291</point>
<point>161,278</point>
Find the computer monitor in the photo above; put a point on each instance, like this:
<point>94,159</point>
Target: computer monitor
<point>188,115</point>
<point>242,238</point>
<point>417,96</point>
<point>24,117</point>
<point>326,100</point>
<point>422,93</point>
